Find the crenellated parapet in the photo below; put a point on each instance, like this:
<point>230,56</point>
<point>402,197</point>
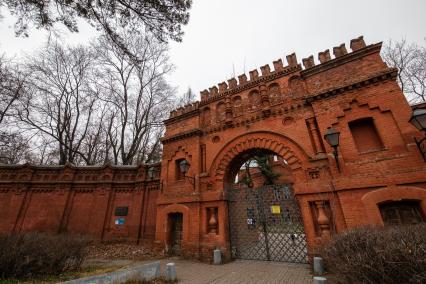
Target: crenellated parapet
<point>244,81</point>
<point>185,109</point>
<point>254,76</point>
<point>338,51</point>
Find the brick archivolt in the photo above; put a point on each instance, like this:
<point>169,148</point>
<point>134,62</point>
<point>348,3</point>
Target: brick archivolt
<point>283,146</point>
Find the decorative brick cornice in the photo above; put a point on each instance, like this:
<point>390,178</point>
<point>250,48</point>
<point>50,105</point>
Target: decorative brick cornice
<point>183,135</point>
<point>388,74</point>
<point>70,174</point>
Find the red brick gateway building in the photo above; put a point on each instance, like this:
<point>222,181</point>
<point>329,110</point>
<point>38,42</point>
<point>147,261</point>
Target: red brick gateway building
<point>191,204</point>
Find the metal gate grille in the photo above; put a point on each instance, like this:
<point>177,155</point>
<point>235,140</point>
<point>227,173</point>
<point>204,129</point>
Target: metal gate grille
<point>265,224</point>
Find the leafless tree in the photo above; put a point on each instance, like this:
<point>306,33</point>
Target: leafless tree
<point>14,148</point>
<point>162,18</point>
<point>138,96</point>
<point>61,103</point>
<point>187,98</point>
<point>12,84</point>
<point>410,59</point>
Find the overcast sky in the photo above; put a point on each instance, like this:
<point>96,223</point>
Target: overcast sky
<point>227,36</point>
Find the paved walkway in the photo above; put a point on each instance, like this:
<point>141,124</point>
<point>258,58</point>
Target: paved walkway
<point>239,271</point>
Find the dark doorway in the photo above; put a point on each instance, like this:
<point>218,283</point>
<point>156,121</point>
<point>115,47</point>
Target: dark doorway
<point>175,221</point>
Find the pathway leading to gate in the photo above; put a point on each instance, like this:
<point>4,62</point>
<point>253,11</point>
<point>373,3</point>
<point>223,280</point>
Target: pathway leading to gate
<point>240,271</point>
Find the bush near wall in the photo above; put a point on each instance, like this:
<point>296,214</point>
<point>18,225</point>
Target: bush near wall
<point>34,254</point>
<point>394,254</point>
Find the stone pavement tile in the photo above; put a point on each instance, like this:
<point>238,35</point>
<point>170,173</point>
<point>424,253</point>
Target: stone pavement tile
<point>240,271</point>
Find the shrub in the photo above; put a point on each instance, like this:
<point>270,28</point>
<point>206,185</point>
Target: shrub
<point>378,255</point>
<point>32,254</point>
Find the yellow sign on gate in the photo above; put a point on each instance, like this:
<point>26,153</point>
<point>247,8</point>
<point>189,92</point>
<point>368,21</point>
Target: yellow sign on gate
<point>276,209</point>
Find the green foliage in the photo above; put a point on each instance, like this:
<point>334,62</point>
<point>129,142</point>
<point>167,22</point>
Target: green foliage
<point>265,167</point>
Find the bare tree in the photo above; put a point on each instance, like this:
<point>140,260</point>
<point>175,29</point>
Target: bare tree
<point>12,84</point>
<point>14,148</point>
<point>137,94</point>
<point>186,98</point>
<point>410,59</point>
<point>61,103</point>
<point>162,18</point>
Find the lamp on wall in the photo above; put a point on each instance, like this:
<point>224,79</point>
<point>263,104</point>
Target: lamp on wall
<point>418,119</point>
<point>184,168</point>
<point>152,172</point>
<point>332,138</point>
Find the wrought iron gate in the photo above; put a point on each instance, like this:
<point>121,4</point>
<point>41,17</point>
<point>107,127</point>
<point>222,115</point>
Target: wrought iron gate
<point>266,224</point>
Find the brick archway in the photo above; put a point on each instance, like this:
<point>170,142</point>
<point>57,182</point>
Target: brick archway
<point>268,241</point>
<point>296,157</point>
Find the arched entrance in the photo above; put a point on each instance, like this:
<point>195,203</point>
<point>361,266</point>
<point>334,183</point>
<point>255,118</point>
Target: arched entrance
<point>265,222</point>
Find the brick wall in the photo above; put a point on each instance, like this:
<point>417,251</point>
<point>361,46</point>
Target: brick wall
<point>79,200</point>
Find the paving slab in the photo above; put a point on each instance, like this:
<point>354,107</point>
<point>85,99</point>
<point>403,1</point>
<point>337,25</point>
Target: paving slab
<point>239,271</point>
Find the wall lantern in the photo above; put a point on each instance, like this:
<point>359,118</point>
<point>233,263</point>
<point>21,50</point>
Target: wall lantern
<point>418,119</point>
<point>152,172</point>
<point>184,167</point>
<point>332,138</point>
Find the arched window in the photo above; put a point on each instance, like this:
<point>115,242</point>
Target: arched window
<point>274,93</point>
<point>220,111</point>
<point>254,99</point>
<point>206,117</point>
<point>401,213</point>
<point>237,105</point>
<point>365,135</point>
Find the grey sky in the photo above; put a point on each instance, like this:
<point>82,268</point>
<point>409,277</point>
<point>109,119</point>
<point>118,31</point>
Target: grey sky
<point>239,35</point>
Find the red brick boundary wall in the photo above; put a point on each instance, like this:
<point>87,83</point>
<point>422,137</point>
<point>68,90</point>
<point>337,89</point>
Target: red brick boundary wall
<point>79,200</point>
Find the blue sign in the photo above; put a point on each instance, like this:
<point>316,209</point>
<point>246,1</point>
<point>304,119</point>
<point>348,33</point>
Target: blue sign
<point>120,221</point>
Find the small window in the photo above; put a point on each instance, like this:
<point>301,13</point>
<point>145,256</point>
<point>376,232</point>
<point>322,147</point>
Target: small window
<point>179,174</point>
<point>365,135</point>
<point>401,213</point>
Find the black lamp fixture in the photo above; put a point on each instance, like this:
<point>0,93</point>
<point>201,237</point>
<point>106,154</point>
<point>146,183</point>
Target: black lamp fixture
<point>152,172</point>
<point>418,119</point>
<point>184,168</point>
<point>332,138</point>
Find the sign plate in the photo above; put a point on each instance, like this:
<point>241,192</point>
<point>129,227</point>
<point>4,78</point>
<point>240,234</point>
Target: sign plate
<point>276,209</point>
<point>121,211</point>
<point>120,221</point>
